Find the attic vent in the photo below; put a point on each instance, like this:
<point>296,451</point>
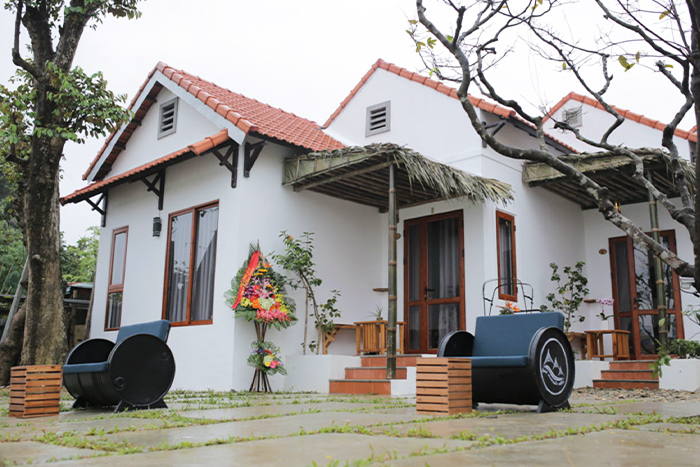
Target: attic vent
<point>168,118</point>
<point>574,117</point>
<point>378,118</point>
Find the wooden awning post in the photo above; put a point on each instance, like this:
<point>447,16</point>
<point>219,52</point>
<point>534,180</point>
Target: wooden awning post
<point>391,314</point>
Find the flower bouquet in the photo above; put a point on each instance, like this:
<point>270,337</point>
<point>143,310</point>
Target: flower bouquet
<point>258,294</point>
<point>265,357</point>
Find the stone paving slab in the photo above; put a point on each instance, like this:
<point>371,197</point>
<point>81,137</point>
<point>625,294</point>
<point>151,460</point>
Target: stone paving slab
<point>29,432</point>
<point>508,426</point>
<point>671,428</point>
<point>29,452</point>
<point>665,409</point>
<point>287,452</point>
<point>278,426</point>
<point>616,447</point>
<point>256,411</point>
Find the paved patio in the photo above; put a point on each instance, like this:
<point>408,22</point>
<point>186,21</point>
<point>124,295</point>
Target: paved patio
<point>293,429</point>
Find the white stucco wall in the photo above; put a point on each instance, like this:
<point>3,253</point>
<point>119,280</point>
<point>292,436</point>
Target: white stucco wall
<point>596,122</point>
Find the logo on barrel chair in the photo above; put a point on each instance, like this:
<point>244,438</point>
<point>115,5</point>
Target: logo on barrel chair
<point>553,374</point>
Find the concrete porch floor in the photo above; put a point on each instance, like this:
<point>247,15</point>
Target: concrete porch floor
<point>606,427</point>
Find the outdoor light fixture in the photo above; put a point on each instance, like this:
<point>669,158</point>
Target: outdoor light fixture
<point>617,206</point>
<point>157,225</point>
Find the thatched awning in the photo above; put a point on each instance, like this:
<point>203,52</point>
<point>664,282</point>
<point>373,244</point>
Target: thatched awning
<point>613,172</point>
<point>361,175</point>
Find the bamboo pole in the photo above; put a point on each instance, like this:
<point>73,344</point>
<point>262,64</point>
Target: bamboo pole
<point>391,315</point>
<point>659,275</point>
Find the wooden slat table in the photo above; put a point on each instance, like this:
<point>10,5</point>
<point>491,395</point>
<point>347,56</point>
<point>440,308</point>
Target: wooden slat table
<point>620,344</point>
<point>443,385</point>
<point>35,391</point>
<point>370,336</point>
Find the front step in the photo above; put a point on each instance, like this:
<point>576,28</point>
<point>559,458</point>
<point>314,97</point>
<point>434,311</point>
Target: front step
<point>631,374</point>
<point>370,378</point>
<point>625,384</point>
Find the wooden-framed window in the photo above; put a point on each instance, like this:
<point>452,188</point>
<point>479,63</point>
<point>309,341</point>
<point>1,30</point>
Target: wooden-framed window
<point>505,240</point>
<point>115,289</point>
<point>190,265</point>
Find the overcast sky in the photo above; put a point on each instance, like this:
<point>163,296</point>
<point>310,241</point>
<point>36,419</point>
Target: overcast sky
<point>303,56</point>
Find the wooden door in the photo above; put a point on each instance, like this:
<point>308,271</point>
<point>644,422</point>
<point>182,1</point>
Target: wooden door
<point>433,280</point>
<point>634,292</point>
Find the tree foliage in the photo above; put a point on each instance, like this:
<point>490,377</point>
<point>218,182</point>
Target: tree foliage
<point>78,261</point>
<point>49,102</point>
<point>661,36</point>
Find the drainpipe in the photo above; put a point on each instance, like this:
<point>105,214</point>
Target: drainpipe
<point>658,273</point>
<point>391,315</point>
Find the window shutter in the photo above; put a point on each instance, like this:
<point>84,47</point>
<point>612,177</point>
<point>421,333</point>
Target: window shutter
<point>168,118</point>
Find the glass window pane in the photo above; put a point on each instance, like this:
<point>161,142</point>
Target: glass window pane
<point>205,260</point>
<point>443,258</point>
<point>505,257</point>
<point>645,278</point>
<point>114,310</point>
<point>414,327</point>
<point>443,319</point>
<point>624,302</point>
<point>413,263</point>
<point>178,267</point>
<point>649,332</point>
<point>118,254</point>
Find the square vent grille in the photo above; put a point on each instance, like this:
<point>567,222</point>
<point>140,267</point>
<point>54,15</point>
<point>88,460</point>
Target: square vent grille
<point>574,117</point>
<point>378,118</point>
<point>168,118</point>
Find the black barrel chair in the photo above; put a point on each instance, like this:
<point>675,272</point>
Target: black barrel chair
<point>523,358</point>
<point>136,372</point>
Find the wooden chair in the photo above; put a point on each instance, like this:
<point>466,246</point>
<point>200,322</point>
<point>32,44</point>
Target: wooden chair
<point>620,344</point>
<point>370,337</point>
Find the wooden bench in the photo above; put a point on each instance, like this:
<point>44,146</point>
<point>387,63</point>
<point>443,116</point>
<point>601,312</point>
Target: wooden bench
<point>370,337</point>
<point>523,358</point>
<point>620,344</point>
<point>329,336</point>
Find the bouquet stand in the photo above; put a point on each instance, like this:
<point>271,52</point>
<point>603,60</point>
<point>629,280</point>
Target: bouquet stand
<point>260,382</point>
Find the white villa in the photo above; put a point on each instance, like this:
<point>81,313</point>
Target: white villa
<point>210,163</point>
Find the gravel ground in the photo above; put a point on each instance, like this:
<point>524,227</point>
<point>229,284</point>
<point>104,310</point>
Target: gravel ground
<point>651,395</point>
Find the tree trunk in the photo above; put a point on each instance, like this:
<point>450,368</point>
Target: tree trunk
<point>44,331</point>
<point>695,89</point>
<point>11,348</point>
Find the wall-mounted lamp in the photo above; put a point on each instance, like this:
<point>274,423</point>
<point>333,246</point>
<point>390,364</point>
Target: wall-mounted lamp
<point>157,225</point>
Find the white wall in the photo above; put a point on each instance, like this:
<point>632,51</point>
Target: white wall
<point>191,127</point>
<point>597,121</point>
<point>347,253</point>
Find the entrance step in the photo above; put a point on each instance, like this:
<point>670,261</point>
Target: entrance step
<point>380,360</point>
<point>625,384</point>
<point>630,374</point>
<point>370,378</point>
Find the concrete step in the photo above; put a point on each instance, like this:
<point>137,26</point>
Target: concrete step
<point>380,360</point>
<point>630,364</point>
<point>373,372</point>
<point>628,375</point>
<point>360,386</point>
<point>625,384</point>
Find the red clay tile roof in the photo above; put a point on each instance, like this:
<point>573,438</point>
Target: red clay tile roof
<point>572,96</point>
<point>195,149</point>
<point>250,115</point>
<point>439,87</point>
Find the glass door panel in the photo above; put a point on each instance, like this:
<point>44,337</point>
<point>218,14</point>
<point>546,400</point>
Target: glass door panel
<point>434,272</point>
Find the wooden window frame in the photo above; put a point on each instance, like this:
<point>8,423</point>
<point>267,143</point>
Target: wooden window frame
<point>507,217</point>
<point>115,288</point>
<point>193,210</point>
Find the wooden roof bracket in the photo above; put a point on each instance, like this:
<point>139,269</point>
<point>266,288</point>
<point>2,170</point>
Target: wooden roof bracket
<point>232,165</point>
<point>252,151</point>
<point>498,126</point>
<point>158,190</point>
<point>96,207</point>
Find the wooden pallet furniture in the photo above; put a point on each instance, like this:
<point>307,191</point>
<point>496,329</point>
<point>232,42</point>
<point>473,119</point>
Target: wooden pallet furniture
<point>370,337</point>
<point>620,344</point>
<point>35,390</point>
<point>443,386</point>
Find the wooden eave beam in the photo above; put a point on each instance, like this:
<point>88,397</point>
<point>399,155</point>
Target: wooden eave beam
<point>315,181</point>
<point>156,186</point>
<point>231,165</point>
<point>250,155</point>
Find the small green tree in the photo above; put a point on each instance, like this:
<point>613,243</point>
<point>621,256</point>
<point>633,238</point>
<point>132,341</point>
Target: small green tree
<point>78,261</point>
<point>569,294</point>
<point>298,258</point>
